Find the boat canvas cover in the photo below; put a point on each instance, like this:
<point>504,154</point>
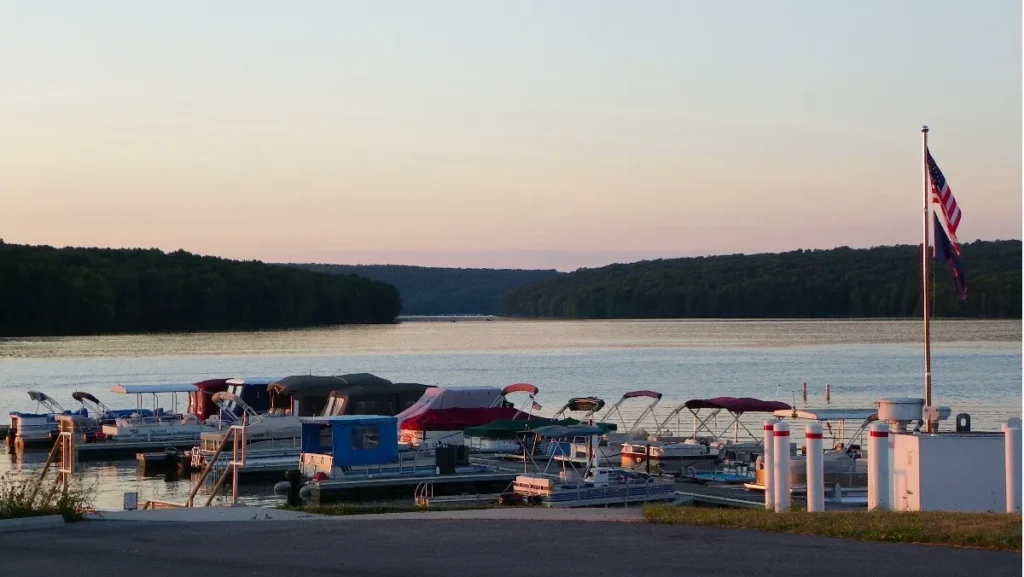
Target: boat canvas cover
<point>199,400</point>
<point>459,419</point>
<point>355,440</point>
<point>737,405</point>
<point>438,398</point>
<point>311,385</point>
<point>384,399</point>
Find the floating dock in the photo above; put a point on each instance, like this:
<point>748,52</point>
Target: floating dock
<point>163,462</point>
<point>260,469</point>
<point>120,450</point>
<point>716,495</point>
<point>373,488</point>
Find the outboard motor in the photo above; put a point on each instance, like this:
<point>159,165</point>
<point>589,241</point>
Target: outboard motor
<point>963,423</point>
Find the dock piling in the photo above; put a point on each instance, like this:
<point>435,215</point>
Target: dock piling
<point>1012,441</point>
<point>781,440</point>
<point>878,466</point>
<point>815,468</point>
<point>767,462</point>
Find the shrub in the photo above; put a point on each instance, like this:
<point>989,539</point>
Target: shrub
<point>30,497</point>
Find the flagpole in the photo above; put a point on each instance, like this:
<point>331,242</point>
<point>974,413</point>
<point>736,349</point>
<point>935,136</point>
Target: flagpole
<point>925,278</point>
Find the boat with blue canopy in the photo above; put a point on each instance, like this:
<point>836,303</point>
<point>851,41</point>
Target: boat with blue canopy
<point>37,429</point>
<point>357,457</point>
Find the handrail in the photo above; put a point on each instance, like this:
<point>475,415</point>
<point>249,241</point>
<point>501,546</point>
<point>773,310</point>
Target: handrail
<point>206,470</point>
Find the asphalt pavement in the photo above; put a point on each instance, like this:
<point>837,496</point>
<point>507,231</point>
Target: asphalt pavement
<point>466,548</point>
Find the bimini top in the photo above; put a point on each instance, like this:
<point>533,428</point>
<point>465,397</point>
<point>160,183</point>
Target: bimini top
<point>565,431</point>
<point>737,405</point>
<point>317,385</point>
<point>827,414</point>
<point>520,388</point>
<point>40,397</point>
<point>584,404</point>
<point>83,396</point>
<point>636,394</point>
<point>144,389</point>
<point>253,381</point>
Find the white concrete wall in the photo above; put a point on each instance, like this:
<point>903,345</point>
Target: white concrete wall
<point>948,472</point>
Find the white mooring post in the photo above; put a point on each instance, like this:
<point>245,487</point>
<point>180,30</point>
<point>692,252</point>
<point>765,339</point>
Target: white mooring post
<point>878,466</point>
<point>1011,439</point>
<point>782,497</point>
<point>768,462</point>
<point>815,468</point>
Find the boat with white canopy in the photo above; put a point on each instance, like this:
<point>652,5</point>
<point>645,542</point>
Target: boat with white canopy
<point>160,425</point>
<point>845,460</point>
<point>590,484</point>
<point>707,441</point>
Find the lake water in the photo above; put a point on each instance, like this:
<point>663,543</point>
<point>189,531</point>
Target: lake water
<point>976,367</point>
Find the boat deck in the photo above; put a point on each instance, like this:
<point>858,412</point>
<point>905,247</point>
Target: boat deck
<point>370,488</point>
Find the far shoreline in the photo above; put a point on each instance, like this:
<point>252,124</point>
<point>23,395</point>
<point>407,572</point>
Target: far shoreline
<point>416,319</point>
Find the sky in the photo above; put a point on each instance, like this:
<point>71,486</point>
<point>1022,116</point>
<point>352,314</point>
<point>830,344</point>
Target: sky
<point>522,134</point>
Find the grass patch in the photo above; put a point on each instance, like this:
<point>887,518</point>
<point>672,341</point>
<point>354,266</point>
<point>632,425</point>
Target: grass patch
<point>993,531</point>
<point>376,508</point>
<point>29,497</point>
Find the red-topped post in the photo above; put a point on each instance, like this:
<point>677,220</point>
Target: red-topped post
<point>815,468</point>
<point>768,462</point>
<point>781,437</point>
<point>878,466</point>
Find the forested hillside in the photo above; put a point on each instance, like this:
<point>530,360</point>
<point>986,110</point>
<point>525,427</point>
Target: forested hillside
<point>444,291</point>
<point>50,291</point>
<point>843,282</point>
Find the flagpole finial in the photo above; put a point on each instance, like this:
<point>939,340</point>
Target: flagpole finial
<point>924,128</point>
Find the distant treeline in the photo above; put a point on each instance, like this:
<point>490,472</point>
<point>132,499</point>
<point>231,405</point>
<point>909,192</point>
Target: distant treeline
<point>444,291</point>
<point>80,291</point>
<point>843,282</point>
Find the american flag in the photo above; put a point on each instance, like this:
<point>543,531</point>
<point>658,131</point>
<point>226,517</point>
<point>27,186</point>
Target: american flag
<point>536,406</point>
<point>943,196</point>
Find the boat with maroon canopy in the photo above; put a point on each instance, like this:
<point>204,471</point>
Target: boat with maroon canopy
<point>704,444</point>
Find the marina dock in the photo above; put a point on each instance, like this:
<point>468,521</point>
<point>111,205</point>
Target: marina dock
<point>367,489</point>
<point>737,496</point>
<point>128,449</point>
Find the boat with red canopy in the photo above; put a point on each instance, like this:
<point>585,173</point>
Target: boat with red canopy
<point>443,414</point>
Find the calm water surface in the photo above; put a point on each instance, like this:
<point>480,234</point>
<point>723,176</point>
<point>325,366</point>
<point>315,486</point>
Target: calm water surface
<point>976,366</point>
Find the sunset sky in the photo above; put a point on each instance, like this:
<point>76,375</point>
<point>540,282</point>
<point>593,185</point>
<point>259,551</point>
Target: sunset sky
<point>503,134</point>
